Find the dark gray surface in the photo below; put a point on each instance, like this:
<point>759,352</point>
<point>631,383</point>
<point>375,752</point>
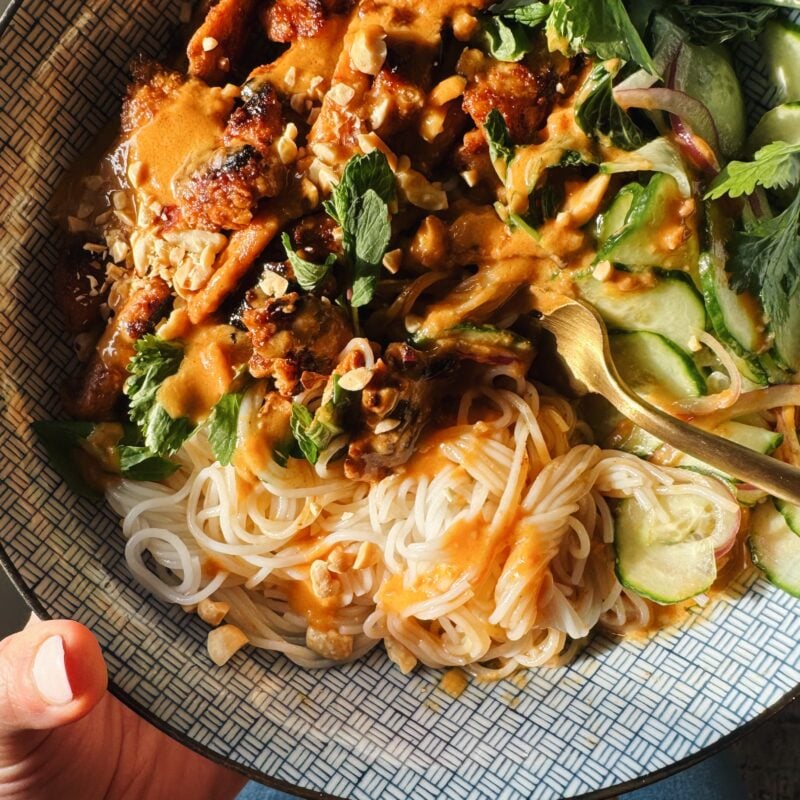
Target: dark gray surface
<point>13,611</point>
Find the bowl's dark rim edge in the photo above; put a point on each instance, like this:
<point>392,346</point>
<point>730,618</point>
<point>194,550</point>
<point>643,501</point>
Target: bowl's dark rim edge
<point>276,783</point>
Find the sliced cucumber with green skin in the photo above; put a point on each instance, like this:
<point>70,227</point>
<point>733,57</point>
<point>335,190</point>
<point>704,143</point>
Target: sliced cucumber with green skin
<point>751,369</point>
<point>707,74</point>
<point>614,431</point>
<point>653,365</point>
<point>761,440</point>
<point>787,338</point>
<point>775,548</point>
<point>669,558</point>
<point>655,233</point>
<point>737,318</point>
<point>776,372</point>
<point>611,221</point>
<point>672,307</point>
<point>779,124</point>
<point>791,513</point>
<point>780,44</point>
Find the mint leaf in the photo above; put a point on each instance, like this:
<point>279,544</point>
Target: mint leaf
<point>598,114</point>
<point>765,261</point>
<point>140,464</point>
<point>155,360</point>
<point>359,203</point>
<point>775,166</point>
<point>505,41</point>
<point>222,426</point>
<point>500,145</point>
<point>715,24</point>
<point>308,274</point>
<point>597,27</point>
<point>372,233</point>
<point>300,423</point>
<point>523,11</point>
<point>313,433</point>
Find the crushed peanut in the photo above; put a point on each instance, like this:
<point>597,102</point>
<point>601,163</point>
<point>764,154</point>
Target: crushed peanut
<point>368,50</point>
<point>224,642</point>
<point>211,611</point>
<point>209,43</point>
<point>323,583</point>
<point>367,556</point>
<point>329,644</point>
<point>355,380</point>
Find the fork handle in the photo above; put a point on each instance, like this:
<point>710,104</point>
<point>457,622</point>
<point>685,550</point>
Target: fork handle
<point>773,476</point>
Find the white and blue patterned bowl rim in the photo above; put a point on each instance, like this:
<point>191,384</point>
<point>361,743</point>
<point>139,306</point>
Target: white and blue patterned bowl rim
<point>623,715</point>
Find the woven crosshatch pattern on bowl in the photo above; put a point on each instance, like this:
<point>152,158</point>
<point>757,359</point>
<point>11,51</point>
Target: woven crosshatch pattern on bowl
<point>622,710</point>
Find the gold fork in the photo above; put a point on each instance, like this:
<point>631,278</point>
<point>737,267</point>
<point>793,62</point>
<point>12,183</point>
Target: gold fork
<point>582,343</point>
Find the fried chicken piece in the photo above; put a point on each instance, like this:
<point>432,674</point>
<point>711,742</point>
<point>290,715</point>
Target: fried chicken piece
<point>525,98</point>
<point>151,85</point>
<point>401,390</point>
<point>218,42</point>
<point>97,392</point>
<point>293,334</point>
<point>223,192</point>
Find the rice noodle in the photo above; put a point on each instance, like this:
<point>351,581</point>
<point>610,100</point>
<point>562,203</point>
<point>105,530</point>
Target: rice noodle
<point>494,555</point>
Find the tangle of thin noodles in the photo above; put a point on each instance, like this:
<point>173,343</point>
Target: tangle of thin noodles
<point>492,545</point>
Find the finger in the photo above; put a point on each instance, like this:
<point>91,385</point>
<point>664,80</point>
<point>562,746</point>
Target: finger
<point>51,674</point>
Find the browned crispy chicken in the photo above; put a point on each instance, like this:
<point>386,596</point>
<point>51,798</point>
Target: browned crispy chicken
<point>100,387</point>
<point>293,334</point>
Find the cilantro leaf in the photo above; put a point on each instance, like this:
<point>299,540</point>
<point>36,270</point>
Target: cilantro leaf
<point>60,441</point>
<point>140,464</point>
<point>597,113</point>
<point>715,24</point>
<point>308,274</point>
<point>597,27</point>
<point>500,145</point>
<point>222,425</point>
<point>360,204</point>
<point>117,450</point>
<point>155,360</point>
<point>766,261</point>
<point>775,166</point>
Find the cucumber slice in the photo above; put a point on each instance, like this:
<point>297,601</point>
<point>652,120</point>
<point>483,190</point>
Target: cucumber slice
<point>751,369</point>
<point>655,233</point>
<point>672,307</point>
<point>761,440</point>
<point>614,431</point>
<point>653,365</point>
<point>779,124</point>
<point>791,513</point>
<point>669,558</point>
<point>775,548</point>
<point>612,221</point>
<point>776,372</point>
<point>787,339</point>
<point>737,318</point>
<point>707,74</point>
<point>780,44</point>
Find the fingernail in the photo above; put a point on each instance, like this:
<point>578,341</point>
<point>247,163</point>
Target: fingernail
<point>50,672</point>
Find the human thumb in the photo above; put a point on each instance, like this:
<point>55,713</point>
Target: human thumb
<point>51,674</point>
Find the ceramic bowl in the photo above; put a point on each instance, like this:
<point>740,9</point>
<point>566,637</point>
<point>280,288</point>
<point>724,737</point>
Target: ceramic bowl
<point>624,710</point>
